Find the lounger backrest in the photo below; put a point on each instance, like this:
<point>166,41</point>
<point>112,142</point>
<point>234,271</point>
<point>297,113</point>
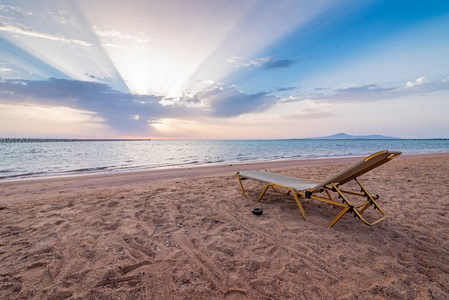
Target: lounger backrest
<point>360,168</point>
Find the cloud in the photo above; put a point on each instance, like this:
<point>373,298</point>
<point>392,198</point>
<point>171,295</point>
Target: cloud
<point>61,17</point>
<point>223,102</point>
<point>22,30</point>
<point>105,32</point>
<point>119,110</point>
<point>260,61</point>
<point>109,45</point>
<point>284,63</point>
<point>233,59</point>
<point>3,69</point>
<point>17,10</point>
<point>374,92</point>
<point>101,31</point>
<point>230,102</point>
<point>116,108</point>
<point>419,81</point>
<point>289,88</point>
<point>209,81</point>
<point>265,62</point>
<point>367,91</point>
<point>257,62</point>
<point>104,79</point>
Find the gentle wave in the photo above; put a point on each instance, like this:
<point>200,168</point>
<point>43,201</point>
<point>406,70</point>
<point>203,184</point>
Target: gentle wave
<point>29,160</point>
<point>87,170</point>
<point>24,175</point>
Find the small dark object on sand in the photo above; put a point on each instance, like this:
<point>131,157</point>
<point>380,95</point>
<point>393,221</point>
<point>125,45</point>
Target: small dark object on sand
<point>257,211</point>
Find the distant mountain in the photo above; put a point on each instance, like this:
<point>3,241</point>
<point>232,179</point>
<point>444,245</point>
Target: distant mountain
<point>344,136</point>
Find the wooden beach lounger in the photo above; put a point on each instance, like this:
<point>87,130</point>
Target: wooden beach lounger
<point>309,189</point>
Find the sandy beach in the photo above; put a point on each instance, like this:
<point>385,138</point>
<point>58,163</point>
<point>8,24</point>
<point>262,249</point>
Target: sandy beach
<point>188,233</point>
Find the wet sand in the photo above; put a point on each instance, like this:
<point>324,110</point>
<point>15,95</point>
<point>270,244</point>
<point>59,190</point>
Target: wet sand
<point>188,233</point>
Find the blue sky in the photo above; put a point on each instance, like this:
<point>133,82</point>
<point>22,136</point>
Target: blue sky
<point>223,69</point>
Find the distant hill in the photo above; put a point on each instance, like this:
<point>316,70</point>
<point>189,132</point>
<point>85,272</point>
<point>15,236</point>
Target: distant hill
<point>344,136</point>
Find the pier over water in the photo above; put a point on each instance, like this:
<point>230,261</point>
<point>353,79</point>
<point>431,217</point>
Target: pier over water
<point>48,140</point>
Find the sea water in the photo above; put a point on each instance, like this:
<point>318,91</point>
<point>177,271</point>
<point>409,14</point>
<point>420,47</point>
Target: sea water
<point>43,159</point>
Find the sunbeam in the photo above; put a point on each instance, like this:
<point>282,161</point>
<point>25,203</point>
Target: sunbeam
<point>199,62</point>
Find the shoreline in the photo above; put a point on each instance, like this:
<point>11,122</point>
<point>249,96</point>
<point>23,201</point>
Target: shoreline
<point>34,187</point>
<point>168,173</point>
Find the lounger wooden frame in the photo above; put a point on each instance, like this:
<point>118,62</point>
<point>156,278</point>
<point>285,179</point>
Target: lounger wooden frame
<point>309,188</point>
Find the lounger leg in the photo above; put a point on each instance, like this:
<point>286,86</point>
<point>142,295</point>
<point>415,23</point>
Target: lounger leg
<point>338,217</point>
<point>301,209</point>
<point>330,196</point>
<point>354,209</point>
<point>241,185</point>
<point>290,190</point>
<point>372,201</point>
<point>365,207</point>
<point>263,192</point>
<point>345,210</point>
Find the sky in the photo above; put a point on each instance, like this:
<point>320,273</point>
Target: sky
<point>215,69</point>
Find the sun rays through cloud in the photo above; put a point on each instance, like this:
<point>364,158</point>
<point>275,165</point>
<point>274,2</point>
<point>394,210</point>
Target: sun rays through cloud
<point>180,64</point>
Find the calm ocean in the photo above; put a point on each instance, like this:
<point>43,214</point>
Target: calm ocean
<point>27,160</point>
